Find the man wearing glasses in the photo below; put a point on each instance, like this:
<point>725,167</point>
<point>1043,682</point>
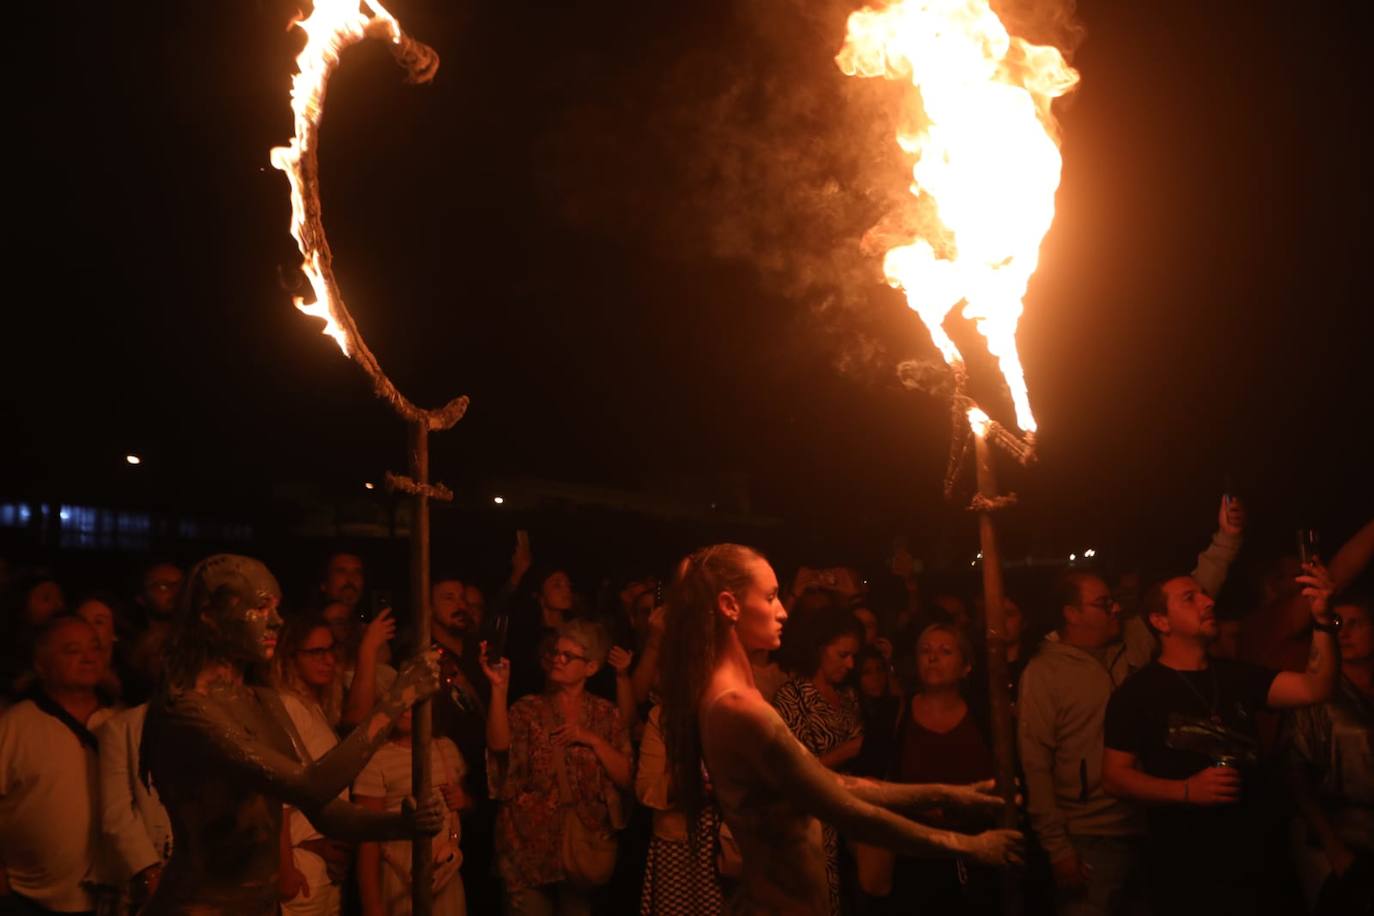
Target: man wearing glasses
<point>1091,839</point>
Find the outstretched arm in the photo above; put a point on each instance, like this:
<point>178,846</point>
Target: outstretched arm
<point>978,797</point>
<point>778,759</point>
<point>1354,555</point>
<point>1214,562</point>
<point>306,786</point>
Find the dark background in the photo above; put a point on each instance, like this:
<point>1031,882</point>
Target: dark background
<point>629,232</point>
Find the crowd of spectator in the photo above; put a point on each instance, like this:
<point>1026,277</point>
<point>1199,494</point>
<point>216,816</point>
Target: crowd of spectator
<point>1172,759</point>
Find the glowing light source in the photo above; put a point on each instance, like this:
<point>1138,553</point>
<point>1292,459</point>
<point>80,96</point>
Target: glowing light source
<point>985,163</point>
<point>499,500</point>
<point>370,485</point>
<point>133,459</point>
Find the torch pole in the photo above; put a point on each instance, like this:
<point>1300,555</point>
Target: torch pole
<point>422,859</point>
<point>999,685</point>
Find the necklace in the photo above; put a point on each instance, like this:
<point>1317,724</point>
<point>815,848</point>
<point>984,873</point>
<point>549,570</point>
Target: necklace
<point>1216,693</point>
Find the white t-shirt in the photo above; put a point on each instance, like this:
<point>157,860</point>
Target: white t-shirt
<point>49,784</point>
<point>388,776</point>
<point>319,740</point>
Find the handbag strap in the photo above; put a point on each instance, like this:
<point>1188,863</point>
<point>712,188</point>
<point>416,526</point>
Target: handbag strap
<point>559,755</point>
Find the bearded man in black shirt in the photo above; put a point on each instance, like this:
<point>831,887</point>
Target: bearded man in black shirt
<point>1181,739</point>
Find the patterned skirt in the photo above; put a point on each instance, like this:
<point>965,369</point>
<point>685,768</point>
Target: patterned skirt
<point>680,880</point>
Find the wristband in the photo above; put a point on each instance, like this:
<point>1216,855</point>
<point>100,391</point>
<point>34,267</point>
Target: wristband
<point>1333,627</point>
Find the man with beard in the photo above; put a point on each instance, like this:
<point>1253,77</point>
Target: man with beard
<point>157,599</point>
<point>460,714</point>
<point>1180,737</point>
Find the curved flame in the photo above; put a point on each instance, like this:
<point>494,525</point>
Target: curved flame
<point>986,158</point>
<point>331,26</point>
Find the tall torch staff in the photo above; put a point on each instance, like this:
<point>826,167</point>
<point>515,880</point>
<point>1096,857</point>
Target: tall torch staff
<point>987,501</point>
<point>332,27</point>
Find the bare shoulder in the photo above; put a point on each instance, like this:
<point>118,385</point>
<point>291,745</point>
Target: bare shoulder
<point>742,720</point>
<point>737,707</point>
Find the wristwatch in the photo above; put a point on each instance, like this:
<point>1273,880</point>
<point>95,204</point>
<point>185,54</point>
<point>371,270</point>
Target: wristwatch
<point>1333,627</point>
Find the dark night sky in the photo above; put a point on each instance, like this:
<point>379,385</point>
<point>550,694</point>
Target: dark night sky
<point>626,230</point>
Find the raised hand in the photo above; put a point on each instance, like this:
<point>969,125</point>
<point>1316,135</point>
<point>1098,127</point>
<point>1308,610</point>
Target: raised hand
<point>1213,786</point>
<point>658,618</point>
<point>1231,517</point>
<point>425,818</point>
<point>498,673</point>
<point>522,558</point>
<point>378,632</point>
<point>1317,589</point>
<point>998,848</point>
<point>418,679</point>
<point>620,660</point>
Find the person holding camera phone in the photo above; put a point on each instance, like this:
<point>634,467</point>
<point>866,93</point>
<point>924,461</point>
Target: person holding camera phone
<point>1181,738</point>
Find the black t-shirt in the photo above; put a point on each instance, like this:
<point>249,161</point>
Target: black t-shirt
<point>1177,723</point>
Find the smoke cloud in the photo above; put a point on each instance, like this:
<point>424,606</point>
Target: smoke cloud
<point>745,142</point>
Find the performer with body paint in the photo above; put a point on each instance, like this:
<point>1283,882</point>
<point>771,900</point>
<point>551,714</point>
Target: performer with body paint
<point>772,792</point>
<point>224,756</point>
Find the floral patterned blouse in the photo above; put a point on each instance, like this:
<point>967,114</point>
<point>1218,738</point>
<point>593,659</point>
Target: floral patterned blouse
<point>529,821</point>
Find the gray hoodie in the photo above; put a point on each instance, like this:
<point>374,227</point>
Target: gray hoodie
<point>1060,710</point>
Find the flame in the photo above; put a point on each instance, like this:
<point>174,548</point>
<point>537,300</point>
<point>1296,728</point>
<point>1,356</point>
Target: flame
<point>979,422</point>
<point>986,158</point>
<point>331,26</point>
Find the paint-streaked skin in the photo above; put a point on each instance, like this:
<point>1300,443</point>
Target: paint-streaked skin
<point>224,757</point>
<point>774,793</point>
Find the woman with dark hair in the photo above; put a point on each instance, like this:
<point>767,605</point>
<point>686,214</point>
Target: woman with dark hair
<point>939,741</point>
<point>773,794</point>
<point>822,710</point>
<point>881,709</point>
<point>223,754</point>
<point>535,617</point>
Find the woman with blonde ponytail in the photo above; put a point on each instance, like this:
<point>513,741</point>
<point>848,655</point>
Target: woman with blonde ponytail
<point>772,792</point>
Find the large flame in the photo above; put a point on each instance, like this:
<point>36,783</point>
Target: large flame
<point>331,26</point>
<point>986,158</point>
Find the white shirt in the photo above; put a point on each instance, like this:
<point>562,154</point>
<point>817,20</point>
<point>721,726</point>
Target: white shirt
<point>48,817</point>
<point>319,740</point>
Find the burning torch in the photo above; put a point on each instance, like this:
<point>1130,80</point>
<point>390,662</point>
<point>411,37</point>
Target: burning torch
<point>331,28</point>
<point>985,167</point>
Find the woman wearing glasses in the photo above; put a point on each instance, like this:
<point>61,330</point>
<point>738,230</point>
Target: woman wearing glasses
<point>304,669</point>
<point>557,762</point>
